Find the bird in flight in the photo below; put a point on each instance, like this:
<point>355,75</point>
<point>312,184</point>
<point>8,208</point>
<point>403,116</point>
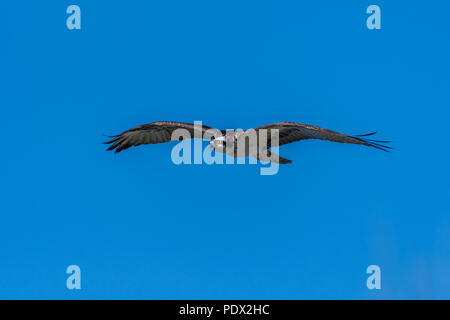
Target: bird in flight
<point>286,132</point>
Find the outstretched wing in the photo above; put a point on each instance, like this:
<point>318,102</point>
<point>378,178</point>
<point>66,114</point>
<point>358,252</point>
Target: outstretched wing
<point>155,132</point>
<point>292,131</point>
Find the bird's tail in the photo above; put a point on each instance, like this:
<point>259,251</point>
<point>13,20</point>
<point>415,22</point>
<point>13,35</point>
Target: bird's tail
<point>273,157</point>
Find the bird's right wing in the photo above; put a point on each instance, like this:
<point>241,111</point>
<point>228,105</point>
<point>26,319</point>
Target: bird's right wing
<point>293,131</point>
<point>155,132</point>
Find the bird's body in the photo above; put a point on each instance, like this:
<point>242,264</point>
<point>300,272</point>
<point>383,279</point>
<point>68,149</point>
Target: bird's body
<point>251,143</point>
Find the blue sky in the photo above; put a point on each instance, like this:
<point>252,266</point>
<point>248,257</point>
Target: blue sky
<point>141,227</point>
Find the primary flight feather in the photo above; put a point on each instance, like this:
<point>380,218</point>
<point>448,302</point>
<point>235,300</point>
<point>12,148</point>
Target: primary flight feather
<point>161,131</point>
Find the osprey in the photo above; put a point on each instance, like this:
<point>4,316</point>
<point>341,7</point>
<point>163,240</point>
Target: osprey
<point>286,132</point>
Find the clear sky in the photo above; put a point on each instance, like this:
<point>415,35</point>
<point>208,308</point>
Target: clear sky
<point>141,227</point>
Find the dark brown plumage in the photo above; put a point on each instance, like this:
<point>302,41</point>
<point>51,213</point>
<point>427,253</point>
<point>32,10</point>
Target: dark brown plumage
<point>293,131</point>
<point>155,132</point>
<point>161,131</point>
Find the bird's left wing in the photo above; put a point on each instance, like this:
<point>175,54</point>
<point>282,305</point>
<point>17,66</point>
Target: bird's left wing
<point>292,131</point>
<point>155,132</point>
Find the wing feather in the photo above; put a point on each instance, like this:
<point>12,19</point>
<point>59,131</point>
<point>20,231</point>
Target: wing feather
<point>151,133</point>
<point>292,131</point>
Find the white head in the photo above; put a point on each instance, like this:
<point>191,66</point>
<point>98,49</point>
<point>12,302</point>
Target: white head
<point>218,144</point>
